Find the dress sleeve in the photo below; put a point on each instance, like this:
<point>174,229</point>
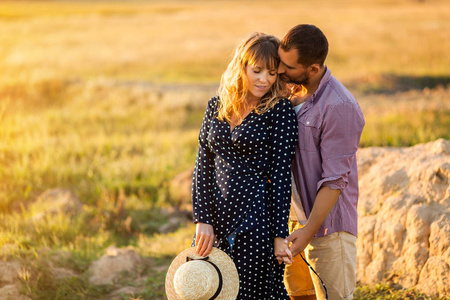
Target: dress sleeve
<point>284,136</point>
<point>202,181</point>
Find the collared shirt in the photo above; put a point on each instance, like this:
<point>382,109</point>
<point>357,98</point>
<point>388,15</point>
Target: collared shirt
<point>297,213</point>
<point>329,126</point>
<point>297,107</point>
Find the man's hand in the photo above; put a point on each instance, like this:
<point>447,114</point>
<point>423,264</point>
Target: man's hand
<point>299,239</point>
<point>325,200</point>
<point>204,238</point>
<point>279,248</point>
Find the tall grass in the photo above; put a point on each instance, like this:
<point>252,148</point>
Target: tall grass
<point>106,141</point>
<point>98,136</point>
<point>92,138</point>
<point>406,118</point>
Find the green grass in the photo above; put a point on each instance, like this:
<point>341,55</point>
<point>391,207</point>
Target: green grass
<point>103,141</point>
<point>390,292</point>
<point>400,129</point>
<point>118,151</point>
<point>99,137</point>
<point>42,284</point>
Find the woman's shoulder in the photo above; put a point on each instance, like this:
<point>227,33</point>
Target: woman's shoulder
<point>283,105</point>
<point>213,102</point>
<point>284,101</point>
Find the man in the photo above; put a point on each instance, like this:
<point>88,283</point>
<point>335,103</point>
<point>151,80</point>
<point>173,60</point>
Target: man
<point>324,170</point>
<point>297,279</point>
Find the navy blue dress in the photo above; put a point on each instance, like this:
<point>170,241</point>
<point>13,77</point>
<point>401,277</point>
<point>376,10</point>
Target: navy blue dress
<point>242,187</point>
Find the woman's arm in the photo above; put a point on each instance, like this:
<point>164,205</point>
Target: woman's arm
<point>202,184</point>
<point>284,135</point>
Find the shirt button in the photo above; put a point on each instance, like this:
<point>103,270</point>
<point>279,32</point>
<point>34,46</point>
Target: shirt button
<point>307,123</point>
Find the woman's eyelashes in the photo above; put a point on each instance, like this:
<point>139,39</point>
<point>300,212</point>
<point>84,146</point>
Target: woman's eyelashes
<point>271,73</point>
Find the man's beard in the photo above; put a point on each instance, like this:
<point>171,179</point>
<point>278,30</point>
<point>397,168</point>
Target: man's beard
<point>303,79</point>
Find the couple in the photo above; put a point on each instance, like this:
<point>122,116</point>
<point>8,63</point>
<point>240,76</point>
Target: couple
<point>254,143</point>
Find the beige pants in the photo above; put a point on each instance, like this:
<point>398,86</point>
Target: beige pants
<point>334,259</point>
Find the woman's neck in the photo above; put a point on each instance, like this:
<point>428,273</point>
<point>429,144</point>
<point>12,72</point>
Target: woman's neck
<point>251,101</point>
<point>249,105</point>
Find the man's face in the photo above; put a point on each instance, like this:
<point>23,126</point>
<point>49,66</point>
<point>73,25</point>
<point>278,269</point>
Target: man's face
<point>289,70</point>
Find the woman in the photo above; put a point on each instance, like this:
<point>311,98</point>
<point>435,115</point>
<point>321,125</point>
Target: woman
<point>242,179</point>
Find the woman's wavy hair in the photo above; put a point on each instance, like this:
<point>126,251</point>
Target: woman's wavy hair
<point>258,48</point>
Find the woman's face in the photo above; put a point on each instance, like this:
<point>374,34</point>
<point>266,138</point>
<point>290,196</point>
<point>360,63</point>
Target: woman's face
<point>259,80</point>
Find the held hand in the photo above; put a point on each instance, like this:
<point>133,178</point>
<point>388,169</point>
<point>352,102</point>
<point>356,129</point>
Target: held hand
<point>279,248</point>
<point>204,238</point>
<point>325,200</point>
<point>299,239</point>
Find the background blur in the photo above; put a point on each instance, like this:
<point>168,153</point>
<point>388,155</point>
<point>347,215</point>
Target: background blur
<point>105,99</point>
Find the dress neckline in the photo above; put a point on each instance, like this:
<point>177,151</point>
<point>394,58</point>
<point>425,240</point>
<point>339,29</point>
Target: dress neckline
<point>234,128</point>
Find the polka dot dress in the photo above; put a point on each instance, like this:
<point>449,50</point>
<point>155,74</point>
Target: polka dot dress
<point>242,187</point>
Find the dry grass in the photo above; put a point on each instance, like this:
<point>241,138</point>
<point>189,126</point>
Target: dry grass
<point>406,118</point>
<point>191,41</point>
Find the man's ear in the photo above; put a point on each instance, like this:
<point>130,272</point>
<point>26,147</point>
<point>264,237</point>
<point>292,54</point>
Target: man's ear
<point>313,69</point>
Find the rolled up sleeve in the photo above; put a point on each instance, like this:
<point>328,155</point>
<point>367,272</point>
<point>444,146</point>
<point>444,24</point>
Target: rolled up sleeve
<point>341,132</point>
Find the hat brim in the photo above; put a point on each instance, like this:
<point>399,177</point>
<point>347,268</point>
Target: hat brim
<point>230,277</point>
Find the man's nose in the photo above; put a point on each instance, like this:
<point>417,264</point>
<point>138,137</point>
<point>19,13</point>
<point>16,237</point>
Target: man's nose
<point>280,70</point>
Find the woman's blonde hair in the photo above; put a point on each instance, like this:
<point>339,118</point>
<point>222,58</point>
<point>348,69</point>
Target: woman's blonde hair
<point>233,90</point>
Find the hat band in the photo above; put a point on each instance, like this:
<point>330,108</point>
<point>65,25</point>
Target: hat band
<point>219,288</point>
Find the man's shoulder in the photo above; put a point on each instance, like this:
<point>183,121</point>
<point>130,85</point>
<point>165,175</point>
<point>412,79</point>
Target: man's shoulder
<point>337,94</point>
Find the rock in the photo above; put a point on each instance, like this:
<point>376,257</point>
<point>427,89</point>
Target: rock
<point>434,278</point>
<point>9,272</point>
<point>180,190</point>
<point>171,225</point>
<point>115,261</point>
<point>56,201</point>
<point>126,290</point>
<point>60,273</point>
<point>11,292</point>
<point>440,237</point>
<point>9,281</point>
<point>8,249</point>
<point>404,216</point>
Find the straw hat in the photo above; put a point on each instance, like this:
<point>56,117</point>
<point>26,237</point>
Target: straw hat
<point>193,277</point>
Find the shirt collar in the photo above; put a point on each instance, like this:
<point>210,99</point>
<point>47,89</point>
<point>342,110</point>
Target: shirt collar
<point>323,82</point>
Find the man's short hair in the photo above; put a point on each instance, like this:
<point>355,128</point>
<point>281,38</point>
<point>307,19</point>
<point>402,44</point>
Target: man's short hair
<point>310,43</point>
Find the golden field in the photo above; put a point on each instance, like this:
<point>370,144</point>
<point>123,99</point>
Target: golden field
<point>106,99</point>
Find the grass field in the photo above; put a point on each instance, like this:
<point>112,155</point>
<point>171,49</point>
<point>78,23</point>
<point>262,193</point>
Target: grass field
<point>106,99</point>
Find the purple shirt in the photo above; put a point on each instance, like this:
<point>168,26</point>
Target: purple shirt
<point>329,127</point>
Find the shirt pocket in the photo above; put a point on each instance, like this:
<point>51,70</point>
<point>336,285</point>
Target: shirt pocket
<point>309,133</point>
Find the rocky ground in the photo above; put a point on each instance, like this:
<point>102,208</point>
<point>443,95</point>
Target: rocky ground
<point>404,226</point>
<point>404,216</point>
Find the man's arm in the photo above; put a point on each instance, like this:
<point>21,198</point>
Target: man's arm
<point>341,132</point>
<point>325,200</point>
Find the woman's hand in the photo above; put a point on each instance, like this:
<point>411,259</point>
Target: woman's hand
<point>282,252</point>
<point>204,238</point>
